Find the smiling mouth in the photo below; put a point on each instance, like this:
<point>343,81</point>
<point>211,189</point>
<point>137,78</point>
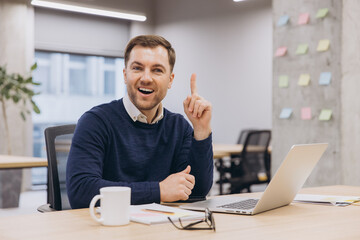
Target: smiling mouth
<point>145,90</point>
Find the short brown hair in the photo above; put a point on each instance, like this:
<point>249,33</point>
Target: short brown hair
<point>151,41</point>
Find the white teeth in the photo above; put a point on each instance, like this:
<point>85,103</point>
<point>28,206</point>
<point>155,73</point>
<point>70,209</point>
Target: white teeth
<point>146,90</point>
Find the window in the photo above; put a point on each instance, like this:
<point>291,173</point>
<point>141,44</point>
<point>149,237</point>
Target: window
<point>71,84</point>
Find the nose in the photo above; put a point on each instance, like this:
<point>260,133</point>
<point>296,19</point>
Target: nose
<point>146,76</point>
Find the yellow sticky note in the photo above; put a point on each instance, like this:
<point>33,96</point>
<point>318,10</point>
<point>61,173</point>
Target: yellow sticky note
<point>325,115</point>
<point>321,13</point>
<point>283,81</point>
<point>323,45</point>
<point>302,49</point>
<point>304,80</point>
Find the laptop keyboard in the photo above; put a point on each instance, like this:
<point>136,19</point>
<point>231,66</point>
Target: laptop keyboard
<point>245,204</point>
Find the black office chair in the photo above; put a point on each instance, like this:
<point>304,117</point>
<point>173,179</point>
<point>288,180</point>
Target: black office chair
<point>58,142</point>
<point>243,135</point>
<point>225,170</point>
<point>253,165</point>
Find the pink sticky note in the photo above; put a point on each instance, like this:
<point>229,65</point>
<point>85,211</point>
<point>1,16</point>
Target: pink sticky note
<point>305,113</point>
<point>281,51</point>
<point>303,18</point>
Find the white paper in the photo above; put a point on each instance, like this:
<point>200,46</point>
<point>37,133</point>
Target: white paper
<point>327,199</point>
<point>144,214</point>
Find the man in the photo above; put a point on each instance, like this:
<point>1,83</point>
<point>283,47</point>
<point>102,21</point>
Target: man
<point>136,142</point>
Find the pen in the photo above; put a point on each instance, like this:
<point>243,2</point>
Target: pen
<point>159,211</point>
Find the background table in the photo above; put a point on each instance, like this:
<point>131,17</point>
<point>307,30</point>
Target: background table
<point>296,221</point>
<point>9,162</point>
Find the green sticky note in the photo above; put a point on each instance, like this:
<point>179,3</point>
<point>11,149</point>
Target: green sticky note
<point>302,49</point>
<point>304,80</point>
<point>283,81</point>
<point>325,114</point>
<point>321,13</point>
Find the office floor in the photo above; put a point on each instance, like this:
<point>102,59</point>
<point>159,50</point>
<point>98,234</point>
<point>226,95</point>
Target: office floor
<point>29,202</point>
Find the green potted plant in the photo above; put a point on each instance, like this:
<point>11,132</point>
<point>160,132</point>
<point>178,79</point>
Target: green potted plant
<point>17,88</point>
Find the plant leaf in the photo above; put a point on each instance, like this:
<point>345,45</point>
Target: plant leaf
<point>23,116</point>
<point>33,67</point>
<point>35,107</point>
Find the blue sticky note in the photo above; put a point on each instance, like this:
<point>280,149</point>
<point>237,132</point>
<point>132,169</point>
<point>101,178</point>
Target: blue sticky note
<point>325,78</point>
<point>285,113</point>
<point>283,20</point>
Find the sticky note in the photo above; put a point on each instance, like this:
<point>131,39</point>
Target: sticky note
<point>305,113</point>
<point>283,20</point>
<point>304,80</point>
<point>325,115</point>
<point>303,18</point>
<point>323,45</point>
<point>325,78</point>
<point>283,81</point>
<point>281,51</point>
<point>285,113</point>
<point>321,13</point>
<point>302,49</point>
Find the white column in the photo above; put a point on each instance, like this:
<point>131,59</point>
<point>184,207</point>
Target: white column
<point>16,51</point>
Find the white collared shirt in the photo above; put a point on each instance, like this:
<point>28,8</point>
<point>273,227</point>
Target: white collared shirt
<point>136,115</point>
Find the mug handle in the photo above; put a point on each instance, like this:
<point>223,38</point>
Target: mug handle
<point>92,208</point>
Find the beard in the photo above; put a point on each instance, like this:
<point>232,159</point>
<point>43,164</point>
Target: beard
<point>142,104</point>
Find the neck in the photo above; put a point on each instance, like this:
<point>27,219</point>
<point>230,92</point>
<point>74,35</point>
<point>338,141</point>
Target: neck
<point>151,114</point>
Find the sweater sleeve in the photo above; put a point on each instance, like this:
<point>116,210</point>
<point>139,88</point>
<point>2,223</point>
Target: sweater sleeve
<point>199,155</point>
<point>84,173</point>
<point>201,162</point>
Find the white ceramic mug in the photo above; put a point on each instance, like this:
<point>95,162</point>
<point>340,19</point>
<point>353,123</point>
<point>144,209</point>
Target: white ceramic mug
<point>114,206</point>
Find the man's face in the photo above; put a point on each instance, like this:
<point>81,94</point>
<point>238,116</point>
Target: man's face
<point>148,77</point>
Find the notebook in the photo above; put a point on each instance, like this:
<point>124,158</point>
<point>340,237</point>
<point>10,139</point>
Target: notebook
<point>282,189</point>
<point>154,213</point>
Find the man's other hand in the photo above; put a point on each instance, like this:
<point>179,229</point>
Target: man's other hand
<point>177,186</point>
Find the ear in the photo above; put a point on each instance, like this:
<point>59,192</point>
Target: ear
<point>124,73</point>
<point>172,75</point>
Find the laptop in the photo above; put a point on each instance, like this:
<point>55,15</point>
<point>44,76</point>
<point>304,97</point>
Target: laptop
<point>282,189</point>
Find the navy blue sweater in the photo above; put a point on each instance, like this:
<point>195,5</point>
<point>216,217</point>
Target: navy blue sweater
<point>109,149</point>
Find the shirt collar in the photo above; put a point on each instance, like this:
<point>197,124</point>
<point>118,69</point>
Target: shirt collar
<point>136,115</point>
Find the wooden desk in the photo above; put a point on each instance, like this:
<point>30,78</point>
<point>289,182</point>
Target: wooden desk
<point>296,221</point>
<point>226,150</point>
<point>10,162</point>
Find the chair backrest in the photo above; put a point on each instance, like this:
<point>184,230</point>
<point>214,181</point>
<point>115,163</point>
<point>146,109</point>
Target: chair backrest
<point>255,150</point>
<point>58,142</point>
<point>243,135</point>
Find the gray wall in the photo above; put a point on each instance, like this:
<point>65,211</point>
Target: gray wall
<point>61,31</point>
<point>340,163</point>
<point>350,97</point>
<point>229,46</point>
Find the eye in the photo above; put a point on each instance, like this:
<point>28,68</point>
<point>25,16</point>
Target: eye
<point>136,68</point>
<point>158,70</point>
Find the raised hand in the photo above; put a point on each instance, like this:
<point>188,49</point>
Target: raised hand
<point>198,110</point>
<point>177,186</point>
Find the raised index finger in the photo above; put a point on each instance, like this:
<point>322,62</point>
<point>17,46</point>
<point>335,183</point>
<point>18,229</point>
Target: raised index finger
<point>193,84</point>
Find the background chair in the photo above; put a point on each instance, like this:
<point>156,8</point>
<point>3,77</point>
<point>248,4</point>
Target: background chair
<point>222,168</point>
<point>58,142</point>
<point>252,166</point>
<point>243,135</point>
